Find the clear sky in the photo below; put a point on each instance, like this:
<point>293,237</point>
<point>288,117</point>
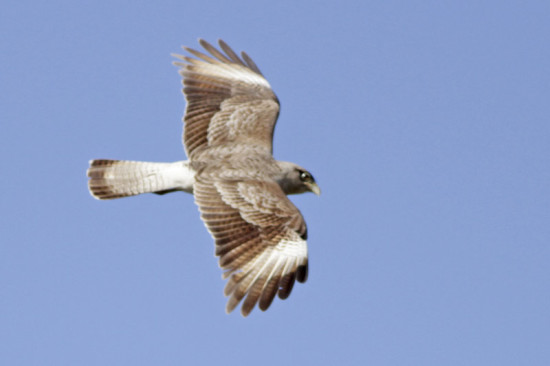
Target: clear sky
<point>426,124</point>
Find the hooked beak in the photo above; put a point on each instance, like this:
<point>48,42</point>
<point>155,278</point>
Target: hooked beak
<point>313,187</point>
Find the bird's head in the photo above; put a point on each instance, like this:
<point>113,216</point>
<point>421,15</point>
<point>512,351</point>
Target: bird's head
<point>295,179</point>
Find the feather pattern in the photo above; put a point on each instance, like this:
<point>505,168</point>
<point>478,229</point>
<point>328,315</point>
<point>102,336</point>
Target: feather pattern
<point>228,100</point>
<point>240,189</point>
<point>257,234</point>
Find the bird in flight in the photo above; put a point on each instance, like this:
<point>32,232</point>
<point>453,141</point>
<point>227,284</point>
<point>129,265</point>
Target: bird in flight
<point>240,189</point>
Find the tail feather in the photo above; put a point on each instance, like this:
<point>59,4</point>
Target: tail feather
<point>111,179</point>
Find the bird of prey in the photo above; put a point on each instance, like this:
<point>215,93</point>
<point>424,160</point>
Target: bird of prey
<point>240,189</point>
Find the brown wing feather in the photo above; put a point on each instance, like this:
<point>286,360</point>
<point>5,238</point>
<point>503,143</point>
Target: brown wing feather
<point>228,100</point>
<point>257,232</point>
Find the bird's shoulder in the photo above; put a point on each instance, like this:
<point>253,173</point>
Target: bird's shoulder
<point>234,160</point>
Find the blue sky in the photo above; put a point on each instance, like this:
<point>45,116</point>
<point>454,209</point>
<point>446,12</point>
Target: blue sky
<point>426,124</point>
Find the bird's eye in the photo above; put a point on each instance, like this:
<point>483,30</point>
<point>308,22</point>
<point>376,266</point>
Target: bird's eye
<point>305,176</point>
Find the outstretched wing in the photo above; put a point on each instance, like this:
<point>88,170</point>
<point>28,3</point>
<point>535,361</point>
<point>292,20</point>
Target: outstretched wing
<point>260,239</point>
<point>228,100</point>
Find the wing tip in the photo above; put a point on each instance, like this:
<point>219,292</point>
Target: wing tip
<point>226,55</point>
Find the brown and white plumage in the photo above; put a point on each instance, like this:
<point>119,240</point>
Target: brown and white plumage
<point>228,101</point>
<point>257,234</point>
<point>239,187</point>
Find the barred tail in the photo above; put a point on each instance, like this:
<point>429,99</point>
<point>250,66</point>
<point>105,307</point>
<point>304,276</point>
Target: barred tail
<point>121,178</point>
